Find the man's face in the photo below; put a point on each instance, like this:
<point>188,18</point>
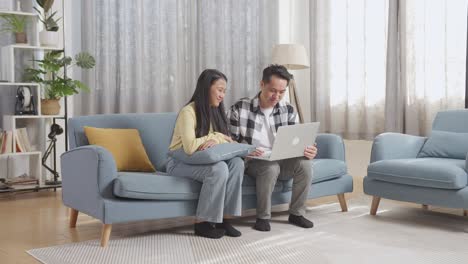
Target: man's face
<point>272,92</point>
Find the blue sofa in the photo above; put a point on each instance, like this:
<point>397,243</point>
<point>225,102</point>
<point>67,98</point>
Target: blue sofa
<point>427,171</point>
<point>92,185</point>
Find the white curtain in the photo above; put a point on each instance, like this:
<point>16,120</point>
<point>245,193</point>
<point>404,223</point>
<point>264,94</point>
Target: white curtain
<point>385,65</point>
<point>434,64</point>
<point>149,53</point>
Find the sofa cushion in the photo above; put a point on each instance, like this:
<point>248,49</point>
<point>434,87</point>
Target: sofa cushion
<point>161,186</point>
<point>425,172</point>
<point>214,154</point>
<point>324,169</point>
<point>149,186</point>
<point>442,144</point>
<point>125,145</point>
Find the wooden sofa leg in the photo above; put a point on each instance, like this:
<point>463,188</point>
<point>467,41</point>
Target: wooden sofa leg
<point>375,205</point>
<point>465,212</point>
<point>342,200</point>
<point>73,217</point>
<point>425,207</point>
<point>106,231</point>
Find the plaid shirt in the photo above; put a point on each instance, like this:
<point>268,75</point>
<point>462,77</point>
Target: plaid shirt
<point>246,119</point>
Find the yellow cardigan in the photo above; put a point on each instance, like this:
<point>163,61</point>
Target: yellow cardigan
<point>184,132</point>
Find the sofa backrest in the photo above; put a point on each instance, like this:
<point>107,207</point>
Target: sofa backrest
<point>155,130</point>
<point>451,121</point>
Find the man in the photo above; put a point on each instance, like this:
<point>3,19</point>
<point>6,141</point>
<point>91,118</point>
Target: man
<point>255,121</point>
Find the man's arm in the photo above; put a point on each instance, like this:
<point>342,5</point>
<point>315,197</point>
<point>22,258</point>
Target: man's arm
<point>234,123</point>
<point>293,118</point>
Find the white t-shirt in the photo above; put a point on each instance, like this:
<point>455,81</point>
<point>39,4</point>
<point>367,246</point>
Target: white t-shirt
<point>267,137</point>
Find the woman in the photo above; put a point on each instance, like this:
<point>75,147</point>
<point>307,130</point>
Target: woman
<point>201,124</point>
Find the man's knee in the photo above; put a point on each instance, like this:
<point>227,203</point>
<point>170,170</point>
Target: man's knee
<point>306,167</point>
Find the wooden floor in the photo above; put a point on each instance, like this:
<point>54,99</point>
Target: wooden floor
<point>39,219</point>
<point>35,220</point>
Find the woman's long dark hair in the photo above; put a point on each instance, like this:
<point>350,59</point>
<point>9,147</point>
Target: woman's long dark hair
<point>207,115</point>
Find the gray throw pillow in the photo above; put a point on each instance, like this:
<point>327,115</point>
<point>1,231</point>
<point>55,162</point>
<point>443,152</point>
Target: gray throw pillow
<point>443,144</point>
<point>214,154</point>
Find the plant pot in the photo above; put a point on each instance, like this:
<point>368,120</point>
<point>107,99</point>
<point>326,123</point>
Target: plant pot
<point>50,106</point>
<point>21,37</point>
<point>48,38</point>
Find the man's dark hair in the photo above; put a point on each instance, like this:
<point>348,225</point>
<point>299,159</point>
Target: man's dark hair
<point>277,70</point>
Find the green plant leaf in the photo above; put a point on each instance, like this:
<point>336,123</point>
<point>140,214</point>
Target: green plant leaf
<point>85,60</point>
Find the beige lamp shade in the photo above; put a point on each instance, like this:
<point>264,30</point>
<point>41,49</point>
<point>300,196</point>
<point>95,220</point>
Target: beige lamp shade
<point>291,56</point>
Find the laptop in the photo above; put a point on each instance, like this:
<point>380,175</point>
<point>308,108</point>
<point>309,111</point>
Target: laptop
<point>290,141</point>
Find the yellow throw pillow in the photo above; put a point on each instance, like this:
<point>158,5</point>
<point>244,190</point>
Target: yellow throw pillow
<point>124,144</point>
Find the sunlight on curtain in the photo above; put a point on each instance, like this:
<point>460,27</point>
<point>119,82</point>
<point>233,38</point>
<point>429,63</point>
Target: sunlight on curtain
<point>350,66</point>
<point>435,59</point>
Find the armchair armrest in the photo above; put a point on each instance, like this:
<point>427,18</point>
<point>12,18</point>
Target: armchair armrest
<point>396,146</point>
<point>88,173</point>
<point>330,146</point>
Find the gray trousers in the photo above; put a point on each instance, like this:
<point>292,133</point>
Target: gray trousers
<point>221,191</point>
<point>267,173</point>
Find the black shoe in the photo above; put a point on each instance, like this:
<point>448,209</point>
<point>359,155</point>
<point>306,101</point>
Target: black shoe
<point>262,225</point>
<point>300,221</point>
<point>230,230</point>
<point>208,230</point>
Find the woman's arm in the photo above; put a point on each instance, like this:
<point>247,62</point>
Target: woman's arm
<point>190,143</point>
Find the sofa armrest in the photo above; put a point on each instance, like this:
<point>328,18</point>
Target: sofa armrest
<point>396,146</point>
<point>466,162</point>
<point>330,146</point>
<point>88,173</point>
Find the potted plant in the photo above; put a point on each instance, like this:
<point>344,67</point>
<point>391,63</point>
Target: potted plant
<point>49,35</point>
<point>15,24</point>
<point>49,74</point>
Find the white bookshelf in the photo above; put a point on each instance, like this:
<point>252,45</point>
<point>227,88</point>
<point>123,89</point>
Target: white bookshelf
<point>8,58</point>
<point>11,122</point>
<point>19,13</point>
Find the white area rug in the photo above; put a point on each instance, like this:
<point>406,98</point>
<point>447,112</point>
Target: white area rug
<point>398,234</point>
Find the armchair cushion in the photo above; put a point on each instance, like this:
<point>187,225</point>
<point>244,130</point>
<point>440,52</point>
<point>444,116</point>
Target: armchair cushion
<point>425,172</point>
<point>396,146</point>
<point>443,144</point>
<point>214,154</point>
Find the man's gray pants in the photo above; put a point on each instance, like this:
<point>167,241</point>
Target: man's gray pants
<point>267,173</point>
<point>221,191</point>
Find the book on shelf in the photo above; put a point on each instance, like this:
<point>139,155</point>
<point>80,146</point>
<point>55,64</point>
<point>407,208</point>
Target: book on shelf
<point>23,179</point>
<point>22,143</point>
<point>7,142</point>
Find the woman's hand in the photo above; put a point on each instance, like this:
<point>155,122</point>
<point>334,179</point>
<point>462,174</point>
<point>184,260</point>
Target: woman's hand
<point>257,153</point>
<point>207,144</point>
<point>228,139</point>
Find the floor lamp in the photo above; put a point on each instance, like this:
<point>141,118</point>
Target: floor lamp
<point>293,57</point>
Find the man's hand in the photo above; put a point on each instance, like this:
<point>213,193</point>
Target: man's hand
<point>207,144</point>
<point>310,152</point>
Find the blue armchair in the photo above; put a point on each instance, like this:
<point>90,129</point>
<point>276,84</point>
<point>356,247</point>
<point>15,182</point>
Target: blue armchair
<point>428,171</point>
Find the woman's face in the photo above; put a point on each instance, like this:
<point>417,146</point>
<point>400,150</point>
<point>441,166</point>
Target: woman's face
<point>217,91</point>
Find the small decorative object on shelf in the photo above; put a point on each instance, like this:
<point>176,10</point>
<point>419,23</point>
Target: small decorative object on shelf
<point>15,24</point>
<point>55,84</point>
<point>55,130</point>
<point>49,35</point>
<point>24,102</point>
